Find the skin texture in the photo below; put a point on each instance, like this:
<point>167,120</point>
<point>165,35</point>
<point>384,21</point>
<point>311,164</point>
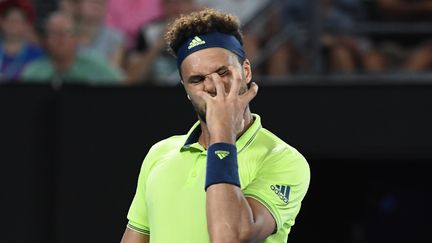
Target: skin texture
<point>131,236</point>
<point>217,86</point>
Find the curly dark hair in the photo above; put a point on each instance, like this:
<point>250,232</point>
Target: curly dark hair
<point>199,23</point>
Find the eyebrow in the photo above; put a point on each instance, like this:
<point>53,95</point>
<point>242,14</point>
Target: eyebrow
<point>199,76</point>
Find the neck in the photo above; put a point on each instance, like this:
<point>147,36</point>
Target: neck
<point>204,138</point>
<point>63,64</point>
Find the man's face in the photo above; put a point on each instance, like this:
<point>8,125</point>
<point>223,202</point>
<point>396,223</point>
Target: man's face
<point>61,39</point>
<point>174,8</point>
<point>14,24</point>
<point>200,70</point>
<point>92,10</point>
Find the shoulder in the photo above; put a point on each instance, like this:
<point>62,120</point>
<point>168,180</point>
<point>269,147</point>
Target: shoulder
<point>90,58</point>
<point>112,34</point>
<point>280,155</point>
<point>159,151</point>
<point>166,147</point>
<point>274,144</point>
<point>97,64</point>
<point>32,51</point>
<point>42,61</point>
<point>173,143</point>
<point>38,68</point>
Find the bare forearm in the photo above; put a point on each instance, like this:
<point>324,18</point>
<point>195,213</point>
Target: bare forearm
<point>229,216</point>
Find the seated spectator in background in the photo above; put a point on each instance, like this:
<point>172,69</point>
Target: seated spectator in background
<point>150,60</point>
<point>408,52</point>
<point>16,50</point>
<point>129,15</point>
<point>341,52</point>
<point>68,6</point>
<point>345,52</point>
<point>254,32</point>
<point>405,10</point>
<point>64,64</point>
<point>95,37</point>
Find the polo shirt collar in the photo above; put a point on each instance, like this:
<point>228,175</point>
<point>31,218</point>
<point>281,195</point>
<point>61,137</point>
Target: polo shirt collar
<point>241,143</point>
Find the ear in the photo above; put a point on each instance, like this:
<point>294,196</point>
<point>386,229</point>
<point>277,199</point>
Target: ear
<point>247,70</point>
<point>182,82</point>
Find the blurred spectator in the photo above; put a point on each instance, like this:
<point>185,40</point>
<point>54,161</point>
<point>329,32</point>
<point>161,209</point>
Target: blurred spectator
<point>68,6</point>
<point>245,10</point>
<point>341,52</point>
<point>405,10</point>
<point>95,36</point>
<point>344,52</point>
<point>254,32</point>
<point>150,60</point>
<point>64,64</point>
<point>16,50</point>
<point>408,52</point>
<point>129,15</point>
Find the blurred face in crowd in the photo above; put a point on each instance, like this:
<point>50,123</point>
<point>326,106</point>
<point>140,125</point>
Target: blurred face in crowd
<point>173,8</point>
<point>92,10</point>
<point>14,24</point>
<point>68,6</point>
<point>61,37</point>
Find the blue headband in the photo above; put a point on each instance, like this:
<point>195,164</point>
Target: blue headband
<point>212,39</point>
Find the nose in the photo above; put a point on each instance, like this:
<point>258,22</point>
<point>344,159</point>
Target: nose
<point>209,85</point>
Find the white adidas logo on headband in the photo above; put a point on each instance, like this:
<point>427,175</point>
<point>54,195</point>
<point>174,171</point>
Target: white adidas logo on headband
<point>196,41</point>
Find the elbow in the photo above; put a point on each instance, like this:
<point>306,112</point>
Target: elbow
<point>242,235</point>
<point>247,235</point>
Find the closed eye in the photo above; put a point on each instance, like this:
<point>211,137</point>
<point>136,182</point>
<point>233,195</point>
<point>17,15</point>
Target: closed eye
<point>196,79</point>
<point>223,71</point>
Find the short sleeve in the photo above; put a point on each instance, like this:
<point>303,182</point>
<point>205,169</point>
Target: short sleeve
<point>281,184</point>
<point>137,215</point>
<point>32,72</point>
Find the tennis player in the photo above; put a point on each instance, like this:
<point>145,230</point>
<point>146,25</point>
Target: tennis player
<point>228,179</point>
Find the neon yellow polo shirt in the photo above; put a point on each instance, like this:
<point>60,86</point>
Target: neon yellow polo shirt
<point>170,201</point>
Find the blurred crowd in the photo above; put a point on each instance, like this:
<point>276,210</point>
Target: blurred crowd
<point>105,42</point>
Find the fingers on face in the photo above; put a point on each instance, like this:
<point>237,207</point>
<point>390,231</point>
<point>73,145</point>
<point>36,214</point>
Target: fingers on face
<point>251,93</point>
<point>235,82</point>
<point>236,85</point>
<point>219,85</point>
